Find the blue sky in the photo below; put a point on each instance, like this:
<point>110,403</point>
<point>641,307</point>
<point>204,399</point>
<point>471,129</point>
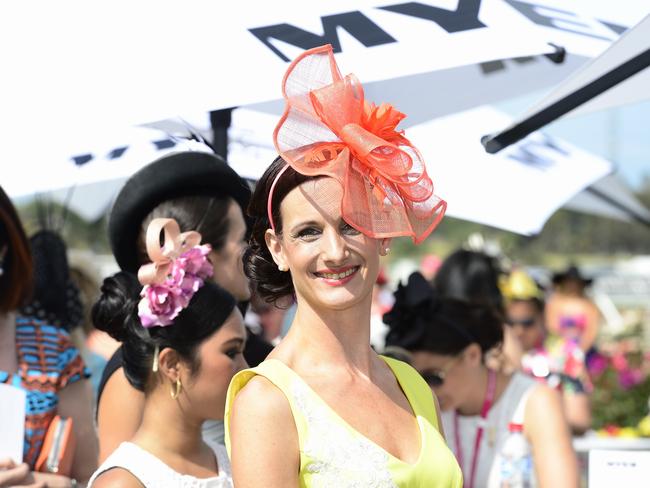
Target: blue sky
<point>621,135</point>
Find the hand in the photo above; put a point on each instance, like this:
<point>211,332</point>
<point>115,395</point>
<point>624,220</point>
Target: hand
<point>12,475</point>
<point>51,480</point>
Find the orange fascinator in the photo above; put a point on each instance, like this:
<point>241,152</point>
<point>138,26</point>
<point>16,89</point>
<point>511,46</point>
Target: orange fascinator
<point>329,129</point>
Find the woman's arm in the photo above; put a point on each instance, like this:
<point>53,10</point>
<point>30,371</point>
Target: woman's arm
<point>551,312</point>
<point>75,401</point>
<point>547,430</point>
<point>591,328</point>
<point>119,413</point>
<point>264,440</point>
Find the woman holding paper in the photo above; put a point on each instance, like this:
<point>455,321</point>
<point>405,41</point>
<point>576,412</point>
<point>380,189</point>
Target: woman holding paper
<point>41,360</point>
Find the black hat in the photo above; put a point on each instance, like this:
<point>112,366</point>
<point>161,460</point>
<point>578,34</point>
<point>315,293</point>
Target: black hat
<point>571,273</point>
<point>172,176</point>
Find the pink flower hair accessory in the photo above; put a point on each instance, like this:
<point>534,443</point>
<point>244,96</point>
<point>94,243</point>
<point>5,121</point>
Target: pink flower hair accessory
<point>178,268</point>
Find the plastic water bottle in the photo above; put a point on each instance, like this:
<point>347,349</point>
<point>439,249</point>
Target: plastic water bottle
<point>516,466</point>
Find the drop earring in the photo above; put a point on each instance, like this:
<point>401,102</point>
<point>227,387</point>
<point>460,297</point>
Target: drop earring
<point>176,390</point>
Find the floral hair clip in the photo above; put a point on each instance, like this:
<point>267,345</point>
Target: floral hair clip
<point>329,129</point>
<point>177,270</point>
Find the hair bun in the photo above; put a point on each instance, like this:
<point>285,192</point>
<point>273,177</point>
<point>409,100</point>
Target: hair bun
<point>407,318</point>
<point>117,304</point>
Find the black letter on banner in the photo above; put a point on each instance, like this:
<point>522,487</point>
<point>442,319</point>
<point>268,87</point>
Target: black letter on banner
<point>490,67</point>
<point>465,17</point>
<point>117,152</point>
<point>555,22</point>
<point>358,25</point>
<point>82,159</point>
<point>529,154</point>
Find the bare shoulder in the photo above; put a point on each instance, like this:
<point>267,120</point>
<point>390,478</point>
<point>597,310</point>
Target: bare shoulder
<point>262,412</point>
<point>543,409</point>
<point>261,400</point>
<point>116,478</point>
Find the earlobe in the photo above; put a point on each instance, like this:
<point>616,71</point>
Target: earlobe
<point>384,246</point>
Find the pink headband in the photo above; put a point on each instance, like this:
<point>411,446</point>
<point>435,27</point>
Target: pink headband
<point>329,129</point>
<point>177,271</point>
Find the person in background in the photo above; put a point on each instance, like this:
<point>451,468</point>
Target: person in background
<point>569,312</point>
<point>96,346</point>
<point>474,276</point>
<point>382,301</point>
<point>58,298</point>
<point>40,359</point>
<point>201,192</point>
<point>324,409</point>
<point>183,339</point>
<point>447,340</point>
<point>429,266</point>
<point>540,355</point>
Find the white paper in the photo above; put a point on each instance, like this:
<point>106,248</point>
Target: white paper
<point>12,422</point>
<point>608,468</point>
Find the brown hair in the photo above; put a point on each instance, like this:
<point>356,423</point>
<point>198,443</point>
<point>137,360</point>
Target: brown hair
<point>270,283</point>
<point>16,280</point>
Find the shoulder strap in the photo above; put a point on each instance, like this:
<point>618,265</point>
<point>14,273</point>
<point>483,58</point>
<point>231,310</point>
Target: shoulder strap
<point>520,412</point>
<point>277,373</point>
<point>417,391</point>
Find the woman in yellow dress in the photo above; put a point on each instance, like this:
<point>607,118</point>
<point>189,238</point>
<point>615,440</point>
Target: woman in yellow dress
<point>324,410</point>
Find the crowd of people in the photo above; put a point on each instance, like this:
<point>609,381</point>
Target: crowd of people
<point>252,342</point>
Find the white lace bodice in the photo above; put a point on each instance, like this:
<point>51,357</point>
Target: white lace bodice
<point>153,473</point>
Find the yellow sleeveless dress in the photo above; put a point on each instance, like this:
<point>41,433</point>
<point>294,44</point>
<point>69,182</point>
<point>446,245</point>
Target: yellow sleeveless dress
<point>334,455</point>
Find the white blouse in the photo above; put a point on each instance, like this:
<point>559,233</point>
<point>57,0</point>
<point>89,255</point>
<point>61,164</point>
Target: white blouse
<point>152,472</point>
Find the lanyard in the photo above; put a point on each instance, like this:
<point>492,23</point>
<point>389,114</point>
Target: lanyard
<point>487,404</point>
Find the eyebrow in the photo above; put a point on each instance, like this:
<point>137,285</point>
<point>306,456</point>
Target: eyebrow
<point>233,341</point>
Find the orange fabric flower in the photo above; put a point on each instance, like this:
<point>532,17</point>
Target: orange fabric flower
<point>329,129</point>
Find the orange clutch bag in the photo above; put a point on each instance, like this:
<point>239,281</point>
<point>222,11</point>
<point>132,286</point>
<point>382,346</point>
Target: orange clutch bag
<point>58,448</point>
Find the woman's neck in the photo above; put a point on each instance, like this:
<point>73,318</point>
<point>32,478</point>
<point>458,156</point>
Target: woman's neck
<point>166,428</point>
<point>332,336</point>
<point>478,391</point>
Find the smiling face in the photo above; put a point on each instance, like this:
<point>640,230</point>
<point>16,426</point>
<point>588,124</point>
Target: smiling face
<point>332,264</point>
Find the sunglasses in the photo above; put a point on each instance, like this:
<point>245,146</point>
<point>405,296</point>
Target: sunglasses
<point>526,323</point>
<point>437,378</point>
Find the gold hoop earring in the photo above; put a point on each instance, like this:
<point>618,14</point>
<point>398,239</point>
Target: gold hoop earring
<point>177,389</point>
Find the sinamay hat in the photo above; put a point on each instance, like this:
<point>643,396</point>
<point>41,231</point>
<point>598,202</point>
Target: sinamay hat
<point>189,173</point>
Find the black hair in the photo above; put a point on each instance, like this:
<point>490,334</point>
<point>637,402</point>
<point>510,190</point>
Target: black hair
<point>470,276</point>
<point>422,321</point>
<point>269,282</point>
<point>116,312</point>
<point>16,282</point>
<point>205,214</point>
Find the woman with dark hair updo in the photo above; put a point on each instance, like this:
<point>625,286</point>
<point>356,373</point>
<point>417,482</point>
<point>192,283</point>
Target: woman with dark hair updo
<point>324,410</point>
<point>201,192</point>
<point>472,276</point>
<point>182,340</point>
<point>447,340</point>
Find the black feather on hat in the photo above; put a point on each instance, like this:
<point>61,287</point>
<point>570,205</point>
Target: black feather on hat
<point>181,174</point>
